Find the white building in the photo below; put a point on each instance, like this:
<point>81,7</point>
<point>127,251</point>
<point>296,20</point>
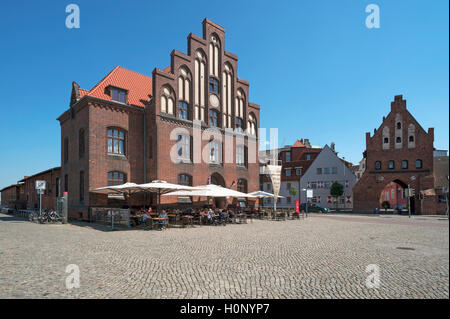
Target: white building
<point>326,169</point>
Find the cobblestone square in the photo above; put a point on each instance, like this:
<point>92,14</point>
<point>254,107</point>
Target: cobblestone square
<point>323,256</point>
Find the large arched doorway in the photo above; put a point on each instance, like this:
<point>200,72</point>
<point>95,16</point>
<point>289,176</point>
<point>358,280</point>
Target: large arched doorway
<point>394,197</point>
<point>217,179</point>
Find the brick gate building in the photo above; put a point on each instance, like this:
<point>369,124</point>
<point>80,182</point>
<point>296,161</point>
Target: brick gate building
<point>400,151</point>
<point>126,127</point>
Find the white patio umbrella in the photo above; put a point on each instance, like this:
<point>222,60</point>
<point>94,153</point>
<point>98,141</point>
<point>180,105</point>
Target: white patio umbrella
<point>162,187</point>
<point>210,190</point>
<point>127,188</point>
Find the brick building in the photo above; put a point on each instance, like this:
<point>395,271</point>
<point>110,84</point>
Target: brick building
<point>400,151</point>
<point>134,128</point>
<point>295,160</point>
<point>10,196</point>
<point>28,193</point>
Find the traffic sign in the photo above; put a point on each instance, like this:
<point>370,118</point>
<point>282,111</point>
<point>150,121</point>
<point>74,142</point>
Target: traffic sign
<point>40,185</point>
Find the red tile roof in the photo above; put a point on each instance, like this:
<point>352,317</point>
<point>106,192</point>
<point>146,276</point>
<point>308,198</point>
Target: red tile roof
<point>139,86</point>
<point>298,144</point>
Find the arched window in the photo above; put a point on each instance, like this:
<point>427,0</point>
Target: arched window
<point>167,100</point>
<point>184,179</point>
<point>251,127</point>
<point>227,98</point>
<point>399,125</point>
<point>386,140</point>
<point>239,106</point>
<point>418,163</point>
<point>377,165</point>
<point>411,138</point>
<point>81,144</point>
<point>398,139</point>
<point>116,141</point>
<point>214,48</point>
<point>199,86</point>
<point>213,118</point>
<point>184,87</point>
<point>116,178</point>
<point>238,124</point>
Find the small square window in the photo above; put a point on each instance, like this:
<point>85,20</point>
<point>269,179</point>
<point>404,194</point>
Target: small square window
<point>404,164</point>
<point>391,165</point>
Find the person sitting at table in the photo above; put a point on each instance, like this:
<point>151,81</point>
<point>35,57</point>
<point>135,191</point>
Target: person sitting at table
<point>144,218</point>
<point>187,212</point>
<point>210,216</point>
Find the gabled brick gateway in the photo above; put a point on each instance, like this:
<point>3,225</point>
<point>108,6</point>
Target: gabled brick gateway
<point>147,113</point>
<point>399,138</point>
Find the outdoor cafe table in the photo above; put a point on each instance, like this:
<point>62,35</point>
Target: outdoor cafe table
<point>172,218</point>
<point>160,221</point>
<point>187,220</point>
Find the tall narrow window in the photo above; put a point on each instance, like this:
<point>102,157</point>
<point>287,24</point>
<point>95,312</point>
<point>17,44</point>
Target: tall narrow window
<point>214,48</point>
<point>213,118</point>
<point>238,124</point>
<point>81,143</point>
<point>81,186</point>
<point>58,182</point>
<point>66,150</point>
<point>183,110</point>
<point>184,89</point>
<point>116,141</point>
<point>239,107</point>
<point>227,95</point>
<point>183,148</point>
<point>199,86</point>
<point>215,152</point>
<point>240,155</point>
<point>116,178</point>
<point>288,156</point>
<point>66,183</point>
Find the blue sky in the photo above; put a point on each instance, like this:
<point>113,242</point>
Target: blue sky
<point>313,66</point>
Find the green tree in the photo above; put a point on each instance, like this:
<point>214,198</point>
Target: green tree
<point>293,191</point>
<point>336,190</point>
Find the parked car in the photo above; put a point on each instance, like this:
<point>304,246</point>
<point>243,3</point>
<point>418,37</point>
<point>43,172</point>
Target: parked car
<point>314,208</point>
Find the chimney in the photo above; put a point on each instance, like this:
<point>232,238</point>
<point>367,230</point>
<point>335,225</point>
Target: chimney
<point>332,146</point>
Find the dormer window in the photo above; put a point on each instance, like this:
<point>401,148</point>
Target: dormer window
<point>119,95</point>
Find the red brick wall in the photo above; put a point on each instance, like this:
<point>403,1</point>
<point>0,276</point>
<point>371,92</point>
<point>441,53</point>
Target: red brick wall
<point>368,189</point>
